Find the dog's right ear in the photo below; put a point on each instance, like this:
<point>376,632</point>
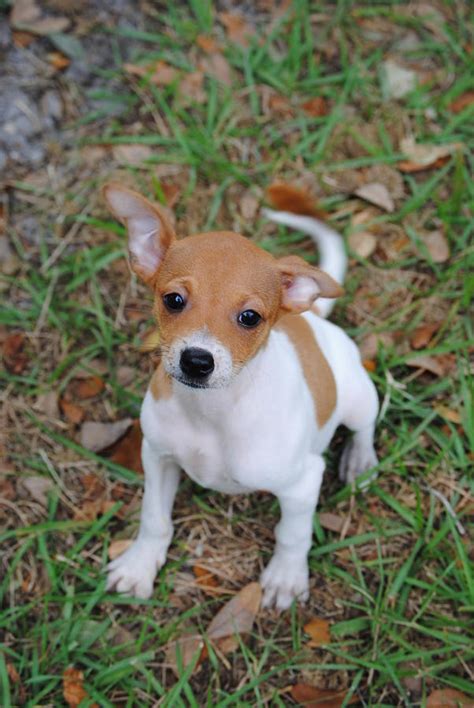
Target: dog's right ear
<point>149,232</point>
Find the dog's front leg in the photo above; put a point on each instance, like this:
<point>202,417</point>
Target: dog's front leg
<point>286,577</point>
<point>135,570</point>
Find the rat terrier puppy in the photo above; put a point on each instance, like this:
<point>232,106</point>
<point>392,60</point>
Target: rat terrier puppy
<point>252,384</point>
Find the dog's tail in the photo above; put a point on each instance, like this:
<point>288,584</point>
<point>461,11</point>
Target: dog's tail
<point>332,254</point>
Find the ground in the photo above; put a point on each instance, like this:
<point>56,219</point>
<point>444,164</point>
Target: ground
<point>366,107</point>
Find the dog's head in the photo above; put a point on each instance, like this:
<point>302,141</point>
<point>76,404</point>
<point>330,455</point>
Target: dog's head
<point>217,295</point>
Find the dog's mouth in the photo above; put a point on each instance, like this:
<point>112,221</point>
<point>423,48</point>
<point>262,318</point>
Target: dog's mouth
<point>192,383</point>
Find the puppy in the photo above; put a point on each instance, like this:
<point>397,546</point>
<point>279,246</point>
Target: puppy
<point>252,384</point>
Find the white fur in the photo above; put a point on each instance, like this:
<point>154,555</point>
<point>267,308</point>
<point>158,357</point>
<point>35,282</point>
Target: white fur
<point>202,339</point>
<point>257,433</point>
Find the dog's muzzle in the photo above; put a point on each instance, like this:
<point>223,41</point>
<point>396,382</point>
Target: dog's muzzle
<point>197,365</point>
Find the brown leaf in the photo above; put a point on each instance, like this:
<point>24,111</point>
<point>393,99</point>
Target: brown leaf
<point>318,698</point>
<point>22,39</point>
<point>125,375</point>
<point>171,192</point>
<point>133,154</point>
<point>88,388</point>
<point>316,107</point>
<point>14,356</point>
<point>422,336</point>
<point>439,365</point>
<point>186,646</point>
<point>38,488</point>
<point>24,11</point>
<point>98,436</point>
<point>74,413</point>
<point>217,66</point>
<point>9,261</point>
<point>237,28</point>
<point>207,44</point>
<point>237,616</point>
<point>318,630</point>
<point>447,698</point>
<point>437,246</point>
<point>377,194</point>
<point>362,243</point>
<point>191,87</point>
<point>206,580</point>
<point>448,413</point>
<point>331,522</point>
<point>369,365</point>
<point>118,547</point>
<point>58,60</point>
<point>47,403</point>
<point>279,105</point>
<point>425,157</point>
<point>159,73</point>
<point>45,26</point>
<point>127,451</point>
<point>286,197</point>
<point>248,205</point>
<point>461,102</point>
<point>73,688</point>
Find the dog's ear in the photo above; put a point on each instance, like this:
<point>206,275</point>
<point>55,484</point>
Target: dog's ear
<point>149,232</point>
<point>303,283</point>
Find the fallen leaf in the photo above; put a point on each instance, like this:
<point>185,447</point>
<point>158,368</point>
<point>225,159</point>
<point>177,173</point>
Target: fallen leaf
<point>318,630</point>
<point>47,403</point>
<point>286,197</point>
<point>73,689</point>
<point>38,488</point>
<point>125,375</point>
<point>208,44</point>
<point>316,107</point>
<point>160,73</point>
<point>319,698</point>
<point>98,436</point>
<point>127,451</point>
<point>370,344</point>
<point>44,27</point>
<point>461,102</point>
<point>362,243</point>
<point>88,388</point>
<point>437,245</point>
<point>397,81</point>
<point>58,60</point>
<point>422,336</point>
<point>447,413</point>
<point>279,105</point>
<point>331,522</point>
<point>369,365</point>
<point>424,157</point>
<point>24,11</point>
<point>171,192</point>
<point>206,580</point>
<point>14,355</point>
<point>7,489</point>
<point>74,413</point>
<point>249,205</point>
<point>377,194</point>
<point>180,652</point>
<point>22,39</point>
<point>12,673</point>
<point>133,154</point>
<point>191,87</point>
<point>9,261</point>
<point>439,365</point>
<point>217,66</point>
<point>237,28</point>
<point>447,698</point>
<point>236,617</point>
<point>118,547</point>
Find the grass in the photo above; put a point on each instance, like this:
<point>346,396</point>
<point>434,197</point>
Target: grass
<point>398,588</point>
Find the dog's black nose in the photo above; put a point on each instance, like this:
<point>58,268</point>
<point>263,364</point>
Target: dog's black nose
<point>196,363</point>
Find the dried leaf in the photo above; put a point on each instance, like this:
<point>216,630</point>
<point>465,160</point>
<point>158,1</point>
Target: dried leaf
<point>279,105</point>
<point>22,39</point>
<point>318,630</point>
<point>206,580</point>
<point>180,653</point>
<point>370,344</point>
<point>191,88</point>
<point>207,44</point>
<point>73,688</point>
<point>237,616</point>
<point>133,154</point>
<point>318,698</point>
<point>125,375</point>
<point>439,365</point>
<point>172,193</point>
<point>461,102</point>
<point>377,194</point>
<point>397,80</point>
<point>45,26</point>
<point>47,403</point>
<point>24,11</point>
<point>447,698</point>
<point>331,522</point>
<point>9,261</point>
<point>249,205</point>
<point>127,451</point>
<point>369,365</point>
<point>448,413</point>
<point>237,28</point>
<point>118,547</point>
<point>217,66</point>
<point>38,488</point>
<point>58,60</point>
<point>14,356</point>
<point>425,157</point>
<point>316,107</point>
<point>286,197</point>
<point>88,388</point>
<point>422,336</point>
<point>98,436</point>
<point>74,413</point>
<point>159,73</point>
<point>362,243</point>
<point>437,245</point>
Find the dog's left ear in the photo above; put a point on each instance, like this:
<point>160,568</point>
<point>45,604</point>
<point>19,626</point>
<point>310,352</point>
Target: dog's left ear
<point>303,283</point>
<point>149,232</point>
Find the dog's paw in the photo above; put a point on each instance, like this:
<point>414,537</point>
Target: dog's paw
<point>284,581</point>
<point>355,460</point>
<point>134,572</point>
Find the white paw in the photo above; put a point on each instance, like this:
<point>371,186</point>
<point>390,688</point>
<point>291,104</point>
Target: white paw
<point>134,572</point>
<point>355,460</point>
<point>283,581</point>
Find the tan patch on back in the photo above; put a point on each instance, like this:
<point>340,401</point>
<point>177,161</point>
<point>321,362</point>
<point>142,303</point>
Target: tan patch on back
<point>160,384</point>
<point>317,372</point>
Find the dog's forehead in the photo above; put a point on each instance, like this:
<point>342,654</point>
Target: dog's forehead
<point>220,260</point>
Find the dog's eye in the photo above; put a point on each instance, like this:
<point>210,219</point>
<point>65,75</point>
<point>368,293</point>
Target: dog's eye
<point>249,318</point>
<point>174,302</point>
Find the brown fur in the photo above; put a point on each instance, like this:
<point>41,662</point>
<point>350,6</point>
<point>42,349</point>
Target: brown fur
<point>317,372</point>
<point>161,386</point>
